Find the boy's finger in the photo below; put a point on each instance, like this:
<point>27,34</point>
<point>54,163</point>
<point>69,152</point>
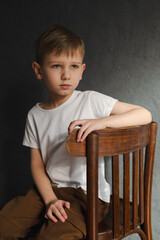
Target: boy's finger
<point>63,213</point>
<point>74,124</point>
<point>86,133</point>
<point>82,131</point>
<point>67,204</point>
<point>50,216</point>
<point>59,215</point>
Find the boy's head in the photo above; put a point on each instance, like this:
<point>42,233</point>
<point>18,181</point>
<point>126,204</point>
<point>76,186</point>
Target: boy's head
<point>58,40</point>
<point>59,61</point>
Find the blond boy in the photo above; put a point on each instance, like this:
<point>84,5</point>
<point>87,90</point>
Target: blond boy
<point>56,206</point>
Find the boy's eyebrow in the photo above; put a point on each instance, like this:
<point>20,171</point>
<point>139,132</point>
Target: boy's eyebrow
<point>63,62</point>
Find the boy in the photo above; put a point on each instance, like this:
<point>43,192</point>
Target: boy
<point>57,203</point>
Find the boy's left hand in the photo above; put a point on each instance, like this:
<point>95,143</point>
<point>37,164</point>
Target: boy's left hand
<point>86,127</point>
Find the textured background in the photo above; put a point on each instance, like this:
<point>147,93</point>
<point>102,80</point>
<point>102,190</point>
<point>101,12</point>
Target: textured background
<point>123,60</point>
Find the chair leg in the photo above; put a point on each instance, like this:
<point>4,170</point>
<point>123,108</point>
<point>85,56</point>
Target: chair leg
<point>147,228</point>
<point>92,186</point>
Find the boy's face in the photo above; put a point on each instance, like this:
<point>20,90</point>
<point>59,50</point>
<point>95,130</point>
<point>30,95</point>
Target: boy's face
<point>61,73</point>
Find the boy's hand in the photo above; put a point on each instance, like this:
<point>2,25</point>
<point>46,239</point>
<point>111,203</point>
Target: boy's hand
<point>87,126</point>
<point>56,208</point>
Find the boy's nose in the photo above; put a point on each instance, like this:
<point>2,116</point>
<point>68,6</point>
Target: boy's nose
<point>66,75</point>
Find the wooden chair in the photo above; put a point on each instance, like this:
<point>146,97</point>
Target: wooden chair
<point>137,145</point>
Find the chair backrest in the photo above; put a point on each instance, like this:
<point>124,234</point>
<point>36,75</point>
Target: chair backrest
<point>136,143</point>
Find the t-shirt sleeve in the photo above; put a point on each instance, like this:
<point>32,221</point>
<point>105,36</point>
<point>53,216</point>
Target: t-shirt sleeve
<point>101,104</point>
<point>30,136</point>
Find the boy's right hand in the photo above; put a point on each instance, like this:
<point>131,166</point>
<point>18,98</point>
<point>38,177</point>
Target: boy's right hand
<point>56,208</point>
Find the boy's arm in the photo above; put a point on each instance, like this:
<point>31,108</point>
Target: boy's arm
<point>122,115</point>
<point>42,182</point>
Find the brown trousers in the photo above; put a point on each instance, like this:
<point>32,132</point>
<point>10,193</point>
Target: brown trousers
<point>25,214</point>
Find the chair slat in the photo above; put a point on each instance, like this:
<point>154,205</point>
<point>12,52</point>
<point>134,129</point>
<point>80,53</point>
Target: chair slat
<point>135,190</point>
<point>126,193</point>
<point>141,187</point>
<point>115,196</point>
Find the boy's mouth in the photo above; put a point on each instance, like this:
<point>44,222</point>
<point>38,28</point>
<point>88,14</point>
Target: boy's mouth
<point>65,86</point>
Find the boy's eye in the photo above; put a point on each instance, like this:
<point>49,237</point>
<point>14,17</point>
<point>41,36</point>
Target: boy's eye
<point>75,66</point>
<point>56,66</point>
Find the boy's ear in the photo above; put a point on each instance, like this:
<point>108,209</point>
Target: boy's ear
<point>83,68</point>
<point>37,69</point>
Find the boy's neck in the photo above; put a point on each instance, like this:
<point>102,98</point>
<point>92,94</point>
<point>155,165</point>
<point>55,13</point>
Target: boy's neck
<point>54,101</point>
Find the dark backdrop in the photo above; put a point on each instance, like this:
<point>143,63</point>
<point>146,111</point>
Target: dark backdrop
<point>123,60</point>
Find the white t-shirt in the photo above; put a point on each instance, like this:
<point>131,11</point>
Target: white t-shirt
<point>47,130</point>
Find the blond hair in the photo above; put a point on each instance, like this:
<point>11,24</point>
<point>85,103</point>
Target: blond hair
<point>58,39</point>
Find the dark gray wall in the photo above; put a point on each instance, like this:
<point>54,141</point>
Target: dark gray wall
<point>123,60</point>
